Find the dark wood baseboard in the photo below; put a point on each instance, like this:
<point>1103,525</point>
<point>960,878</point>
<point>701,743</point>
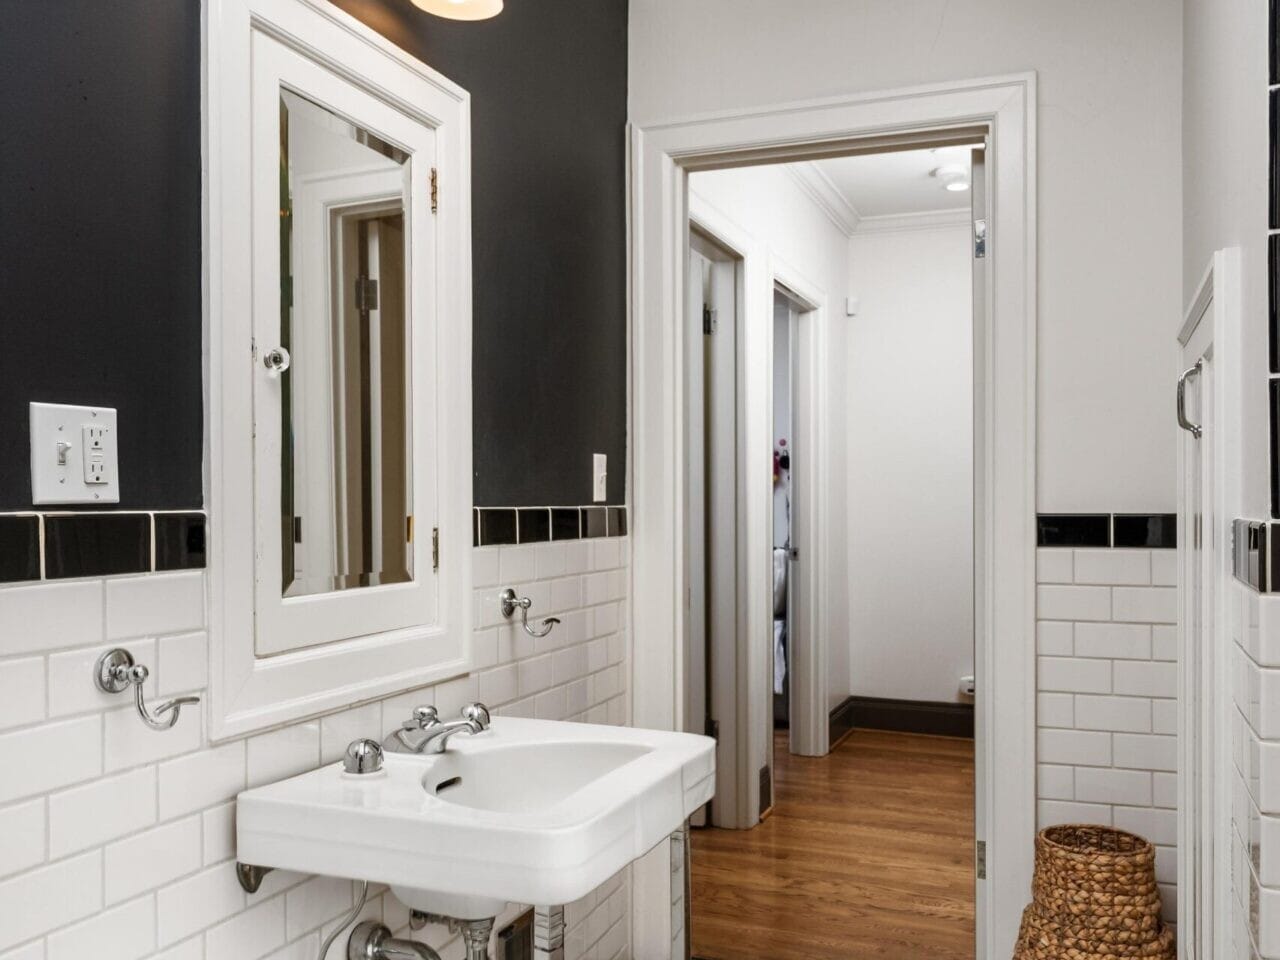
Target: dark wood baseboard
<point>904,716</point>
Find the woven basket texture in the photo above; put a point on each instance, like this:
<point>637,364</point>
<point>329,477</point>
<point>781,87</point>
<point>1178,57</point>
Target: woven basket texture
<point>1094,897</point>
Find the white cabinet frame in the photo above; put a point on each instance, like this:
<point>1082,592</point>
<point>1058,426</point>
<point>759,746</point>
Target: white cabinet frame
<point>248,693</point>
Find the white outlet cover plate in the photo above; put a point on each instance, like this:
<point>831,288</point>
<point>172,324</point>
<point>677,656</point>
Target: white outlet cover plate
<point>54,482</point>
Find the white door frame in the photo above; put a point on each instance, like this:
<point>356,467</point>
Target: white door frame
<point>1211,329</point>
<point>661,156</point>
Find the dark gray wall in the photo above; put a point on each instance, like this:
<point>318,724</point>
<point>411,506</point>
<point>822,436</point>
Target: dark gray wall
<point>100,252</point>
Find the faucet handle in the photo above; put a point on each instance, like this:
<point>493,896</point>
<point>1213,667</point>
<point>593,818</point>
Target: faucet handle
<point>478,714</point>
<point>423,717</point>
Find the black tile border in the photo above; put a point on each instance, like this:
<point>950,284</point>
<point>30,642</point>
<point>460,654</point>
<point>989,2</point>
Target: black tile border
<point>903,716</point>
<point>101,543</point>
<point>1152,531</point>
<point>1273,301</point>
<point>19,548</point>
<point>506,526</point>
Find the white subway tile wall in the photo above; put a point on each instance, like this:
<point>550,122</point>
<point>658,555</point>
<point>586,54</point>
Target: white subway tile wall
<point>1106,718</point>
<point>1254,621</point>
<point>117,842</point>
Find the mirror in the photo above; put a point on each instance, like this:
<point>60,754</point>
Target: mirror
<point>346,471</point>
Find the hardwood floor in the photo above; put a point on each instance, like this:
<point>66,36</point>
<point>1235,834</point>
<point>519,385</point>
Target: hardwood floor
<point>868,854</point>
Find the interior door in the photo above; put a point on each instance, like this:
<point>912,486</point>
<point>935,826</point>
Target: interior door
<point>1197,665</point>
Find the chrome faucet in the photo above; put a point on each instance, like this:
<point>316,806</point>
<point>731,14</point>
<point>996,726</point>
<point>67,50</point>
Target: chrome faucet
<point>424,732</point>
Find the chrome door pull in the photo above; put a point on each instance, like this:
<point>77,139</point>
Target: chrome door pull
<point>1192,428</point>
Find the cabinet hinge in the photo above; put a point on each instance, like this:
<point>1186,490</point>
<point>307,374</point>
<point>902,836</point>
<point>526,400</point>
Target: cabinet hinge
<point>366,293</point>
<point>980,859</point>
<point>408,529</point>
<point>435,191</point>
<point>435,548</point>
<point>708,321</point>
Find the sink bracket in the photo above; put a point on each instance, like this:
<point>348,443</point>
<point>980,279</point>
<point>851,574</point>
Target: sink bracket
<point>250,877</point>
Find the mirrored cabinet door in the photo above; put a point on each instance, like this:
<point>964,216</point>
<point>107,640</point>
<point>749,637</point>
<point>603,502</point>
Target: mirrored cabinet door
<point>344,398</point>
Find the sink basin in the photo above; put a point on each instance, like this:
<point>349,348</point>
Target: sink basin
<point>531,811</point>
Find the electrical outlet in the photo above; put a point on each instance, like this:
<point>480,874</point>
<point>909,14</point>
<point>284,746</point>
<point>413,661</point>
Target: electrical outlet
<point>599,477</point>
<point>73,454</point>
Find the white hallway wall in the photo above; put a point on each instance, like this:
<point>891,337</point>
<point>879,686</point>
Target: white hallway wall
<point>767,204</point>
<point>909,431</point>
<point>1109,168</point>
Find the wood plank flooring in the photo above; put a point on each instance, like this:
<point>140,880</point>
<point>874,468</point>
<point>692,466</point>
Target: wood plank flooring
<point>868,854</point>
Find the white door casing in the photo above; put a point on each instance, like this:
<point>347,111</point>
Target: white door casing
<point>1003,109</point>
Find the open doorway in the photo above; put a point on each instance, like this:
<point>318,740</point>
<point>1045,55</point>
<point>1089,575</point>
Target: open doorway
<point>834,295</point>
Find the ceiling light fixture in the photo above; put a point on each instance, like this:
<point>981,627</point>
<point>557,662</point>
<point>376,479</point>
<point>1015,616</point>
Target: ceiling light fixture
<point>461,9</point>
<point>953,178</point>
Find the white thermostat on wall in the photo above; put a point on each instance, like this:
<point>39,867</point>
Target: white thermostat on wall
<point>73,454</point>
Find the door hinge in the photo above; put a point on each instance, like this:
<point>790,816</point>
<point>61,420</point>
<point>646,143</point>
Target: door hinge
<point>979,239</point>
<point>435,191</point>
<point>366,294</point>
<point>408,529</point>
<point>435,548</point>
<point>980,859</point>
<point>708,320</point>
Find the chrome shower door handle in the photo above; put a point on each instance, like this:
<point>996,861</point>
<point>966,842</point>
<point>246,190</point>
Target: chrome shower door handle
<point>1192,428</point>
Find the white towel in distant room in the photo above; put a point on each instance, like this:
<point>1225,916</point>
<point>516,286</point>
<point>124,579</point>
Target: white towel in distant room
<point>781,561</point>
<point>779,655</point>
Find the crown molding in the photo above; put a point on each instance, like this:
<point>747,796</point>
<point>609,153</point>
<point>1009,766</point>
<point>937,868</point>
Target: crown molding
<point>829,198</point>
<point>924,220</point>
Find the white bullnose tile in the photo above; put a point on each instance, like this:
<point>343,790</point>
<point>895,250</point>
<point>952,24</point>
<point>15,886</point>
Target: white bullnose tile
<point>256,931</point>
<point>1113,567</point>
<point>1146,679</point>
<point>155,604</point>
<point>50,615</point>
<point>312,903</point>
<point>183,663</point>
<point>1145,752</point>
<point>126,932</point>
<point>150,860</point>
<point>1131,714</point>
<point>1074,747</point>
<point>1099,785</point>
<point>51,756</point>
<point>1055,638</point>
<point>24,700</point>
<point>1061,602</point>
<point>1145,604</point>
<point>51,897</point>
<point>129,742</point>
<point>92,814</point>
<point>22,834</point>
<point>283,753</point>
<point>1074,675</point>
<point>1125,641</point>
<point>201,779</point>
<point>190,905</point>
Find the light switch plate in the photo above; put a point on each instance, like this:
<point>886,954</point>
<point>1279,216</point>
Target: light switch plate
<point>599,477</point>
<point>73,454</point>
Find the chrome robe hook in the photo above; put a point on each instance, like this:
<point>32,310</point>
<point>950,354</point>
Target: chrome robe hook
<point>510,601</point>
<point>116,672</point>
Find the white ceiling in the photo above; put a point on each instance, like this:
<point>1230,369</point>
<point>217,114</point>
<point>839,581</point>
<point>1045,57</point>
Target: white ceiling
<point>893,184</point>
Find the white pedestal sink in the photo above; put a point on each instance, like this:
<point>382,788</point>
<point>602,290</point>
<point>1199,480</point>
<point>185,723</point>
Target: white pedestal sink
<point>531,811</point>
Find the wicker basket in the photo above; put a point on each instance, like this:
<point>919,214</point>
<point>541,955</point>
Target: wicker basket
<point>1094,897</point>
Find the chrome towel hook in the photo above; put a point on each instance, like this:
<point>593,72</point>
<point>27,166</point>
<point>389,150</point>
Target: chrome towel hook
<point>116,672</point>
<point>509,603</point>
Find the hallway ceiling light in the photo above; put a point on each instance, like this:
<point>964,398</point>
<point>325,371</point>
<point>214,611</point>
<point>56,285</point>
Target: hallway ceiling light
<point>461,9</point>
<point>953,178</point>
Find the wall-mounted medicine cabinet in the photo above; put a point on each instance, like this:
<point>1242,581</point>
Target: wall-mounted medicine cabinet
<point>339,330</point>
